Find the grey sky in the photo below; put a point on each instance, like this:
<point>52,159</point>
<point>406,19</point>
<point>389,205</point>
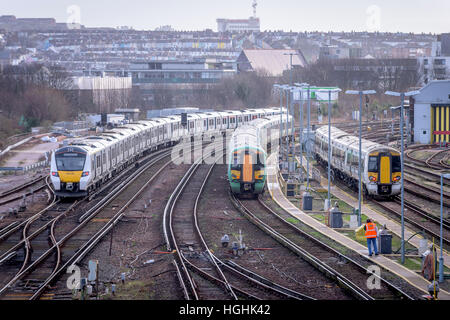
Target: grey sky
<point>344,15</point>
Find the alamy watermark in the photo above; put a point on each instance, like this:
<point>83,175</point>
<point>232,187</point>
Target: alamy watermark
<point>373,21</point>
<point>374,280</point>
<point>74,19</point>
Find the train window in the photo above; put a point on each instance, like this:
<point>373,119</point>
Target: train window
<point>235,164</point>
<point>70,161</point>
<point>396,164</point>
<point>373,164</point>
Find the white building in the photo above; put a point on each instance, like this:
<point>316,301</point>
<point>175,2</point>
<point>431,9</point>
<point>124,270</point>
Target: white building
<point>431,122</point>
<point>238,25</point>
<point>436,66</point>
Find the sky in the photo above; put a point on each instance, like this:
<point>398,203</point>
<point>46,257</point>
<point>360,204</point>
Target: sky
<point>326,15</point>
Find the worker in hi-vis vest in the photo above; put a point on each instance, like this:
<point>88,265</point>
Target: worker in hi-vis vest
<point>371,235</point>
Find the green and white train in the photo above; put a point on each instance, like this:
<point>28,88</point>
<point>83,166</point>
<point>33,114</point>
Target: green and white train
<point>247,154</point>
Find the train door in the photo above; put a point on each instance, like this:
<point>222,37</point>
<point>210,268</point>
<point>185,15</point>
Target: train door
<point>93,166</point>
<point>247,168</point>
<point>385,169</point>
<point>440,123</point>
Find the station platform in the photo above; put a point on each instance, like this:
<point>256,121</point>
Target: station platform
<point>277,195</point>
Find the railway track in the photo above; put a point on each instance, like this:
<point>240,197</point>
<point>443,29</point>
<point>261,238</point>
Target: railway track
<point>16,226</point>
<point>193,257</point>
<point>437,161</point>
<point>420,219</point>
<point>38,268</point>
<point>426,192</point>
<point>416,216</point>
<point>5,196</point>
<point>424,173</point>
<point>22,186</point>
<point>347,272</point>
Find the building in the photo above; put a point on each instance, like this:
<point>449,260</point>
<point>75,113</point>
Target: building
<point>175,82</point>
<point>437,65</point>
<point>11,23</point>
<point>431,110</point>
<point>238,25</point>
<point>100,94</point>
<point>434,68</point>
<point>274,61</point>
<point>176,71</point>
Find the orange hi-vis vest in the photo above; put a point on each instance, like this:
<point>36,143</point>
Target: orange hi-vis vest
<point>371,232</point>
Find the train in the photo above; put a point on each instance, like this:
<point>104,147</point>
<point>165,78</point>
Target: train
<point>247,154</point>
<point>78,168</point>
<point>381,165</point>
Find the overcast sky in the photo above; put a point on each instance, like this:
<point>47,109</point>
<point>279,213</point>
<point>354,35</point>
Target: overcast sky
<point>296,15</point>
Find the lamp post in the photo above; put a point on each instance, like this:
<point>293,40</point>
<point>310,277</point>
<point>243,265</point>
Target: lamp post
<point>402,96</point>
<point>307,137</point>
<point>441,257</point>
<point>360,93</point>
<point>301,85</point>
<point>281,90</point>
<point>329,139</point>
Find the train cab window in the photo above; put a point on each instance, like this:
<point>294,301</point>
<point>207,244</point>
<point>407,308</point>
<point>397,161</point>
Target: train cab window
<point>373,164</point>
<point>259,163</point>
<point>235,163</point>
<point>70,161</point>
<point>396,164</point>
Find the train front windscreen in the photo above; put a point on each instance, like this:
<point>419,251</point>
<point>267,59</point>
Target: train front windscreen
<point>70,159</point>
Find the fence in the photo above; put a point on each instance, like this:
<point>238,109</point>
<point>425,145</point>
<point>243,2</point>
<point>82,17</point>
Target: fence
<point>25,169</point>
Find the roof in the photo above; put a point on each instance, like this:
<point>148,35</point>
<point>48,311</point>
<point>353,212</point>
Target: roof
<point>274,61</point>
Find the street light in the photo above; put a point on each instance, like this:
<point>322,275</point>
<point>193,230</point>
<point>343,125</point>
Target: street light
<point>441,258</point>
<point>402,95</point>
<point>329,139</point>
<point>281,89</point>
<point>301,85</point>
<point>281,112</point>
<point>360,93</point>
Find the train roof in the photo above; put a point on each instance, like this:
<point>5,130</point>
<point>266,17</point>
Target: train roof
<point>340,137</point>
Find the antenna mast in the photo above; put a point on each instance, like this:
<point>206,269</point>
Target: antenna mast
<point>254,8</point>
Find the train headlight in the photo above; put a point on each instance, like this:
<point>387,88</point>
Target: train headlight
<point>372,178</point>
<point>397,178</point>
<point>55,174</point>
<point>85,174</point>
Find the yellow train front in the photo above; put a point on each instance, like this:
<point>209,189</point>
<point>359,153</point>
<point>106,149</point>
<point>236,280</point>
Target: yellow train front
<point>381,166</point>
<point>383,173</point>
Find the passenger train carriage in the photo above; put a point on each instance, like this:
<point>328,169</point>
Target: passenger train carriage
<point>88,162</point>
<point>381,171</point>
<point>247,153</point>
